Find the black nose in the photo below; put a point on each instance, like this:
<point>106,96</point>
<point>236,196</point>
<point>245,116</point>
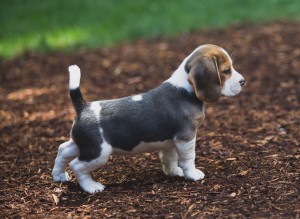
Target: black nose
<point>242,82</point>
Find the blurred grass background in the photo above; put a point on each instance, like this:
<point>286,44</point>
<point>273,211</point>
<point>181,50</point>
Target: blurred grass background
<point>66,25</point>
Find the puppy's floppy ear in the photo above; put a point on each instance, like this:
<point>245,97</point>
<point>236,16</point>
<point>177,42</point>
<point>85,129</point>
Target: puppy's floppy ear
<point>204,77</point>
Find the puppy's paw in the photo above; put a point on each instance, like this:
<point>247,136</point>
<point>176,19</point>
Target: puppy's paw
<point>194,175</point>
<point>60,177</point>
<point>177,172</point>
<point>92,187</point>
<point>173,171</point>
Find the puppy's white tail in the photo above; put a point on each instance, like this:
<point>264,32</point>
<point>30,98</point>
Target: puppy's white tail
<point>75,93</point>
<point>74,73</point>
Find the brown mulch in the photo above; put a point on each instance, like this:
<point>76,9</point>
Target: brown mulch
<point>248,146</point>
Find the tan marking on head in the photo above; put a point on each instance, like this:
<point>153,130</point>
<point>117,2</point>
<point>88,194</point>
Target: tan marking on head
<point>206,69</point>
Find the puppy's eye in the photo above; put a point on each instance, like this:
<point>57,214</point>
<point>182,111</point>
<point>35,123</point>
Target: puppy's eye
<point>227,72</point>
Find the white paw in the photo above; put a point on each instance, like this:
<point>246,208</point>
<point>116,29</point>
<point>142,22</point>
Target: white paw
<point>92,187</point>
<point>60,177</point>
<point>177,172</point>
<point>194,175</point>
<point>174,171</point>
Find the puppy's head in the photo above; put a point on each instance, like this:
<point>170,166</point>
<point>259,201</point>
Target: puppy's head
<point>210,72</point>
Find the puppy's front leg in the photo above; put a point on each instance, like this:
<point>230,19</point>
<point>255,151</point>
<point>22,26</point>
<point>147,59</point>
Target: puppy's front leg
<point>186,159</point>
<point>169,161</point>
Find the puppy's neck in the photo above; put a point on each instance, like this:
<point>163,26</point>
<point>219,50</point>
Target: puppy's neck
<point>180,78</point>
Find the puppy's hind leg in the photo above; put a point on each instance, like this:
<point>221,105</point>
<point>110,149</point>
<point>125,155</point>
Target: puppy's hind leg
<point>67,151</point>
<point>169,161</point>
<point>82,170</point>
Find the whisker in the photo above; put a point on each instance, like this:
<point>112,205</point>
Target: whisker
<point>232,55</point>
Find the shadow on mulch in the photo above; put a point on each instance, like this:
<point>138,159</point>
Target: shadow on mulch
<point>248,145</point>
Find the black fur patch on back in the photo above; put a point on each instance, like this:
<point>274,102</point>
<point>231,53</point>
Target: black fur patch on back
<point>163,113</point>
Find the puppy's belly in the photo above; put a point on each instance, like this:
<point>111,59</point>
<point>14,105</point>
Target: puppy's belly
<point>145,147</point>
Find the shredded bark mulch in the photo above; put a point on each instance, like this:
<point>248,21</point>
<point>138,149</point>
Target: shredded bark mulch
<point>248,145</point>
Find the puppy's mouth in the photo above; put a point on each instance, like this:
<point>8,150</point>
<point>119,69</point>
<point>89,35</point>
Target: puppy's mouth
<point>236,90</point>
<point>232,91</point>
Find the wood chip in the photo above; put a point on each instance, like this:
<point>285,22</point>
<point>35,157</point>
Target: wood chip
<point>231,159</point>
<point>243,173</point>
<point>55,198</point>
<point>232,195</point>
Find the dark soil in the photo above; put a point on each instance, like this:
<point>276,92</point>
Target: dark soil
<point>248,145</point>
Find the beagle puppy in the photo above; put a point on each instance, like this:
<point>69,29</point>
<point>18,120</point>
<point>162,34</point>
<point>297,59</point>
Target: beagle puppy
<point>164,119</point>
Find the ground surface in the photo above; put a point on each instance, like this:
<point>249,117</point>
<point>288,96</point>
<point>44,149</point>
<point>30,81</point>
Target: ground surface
<point>248,145</point>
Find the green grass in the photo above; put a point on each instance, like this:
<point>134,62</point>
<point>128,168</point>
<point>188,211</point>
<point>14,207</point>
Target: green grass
<point>68,24</point>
